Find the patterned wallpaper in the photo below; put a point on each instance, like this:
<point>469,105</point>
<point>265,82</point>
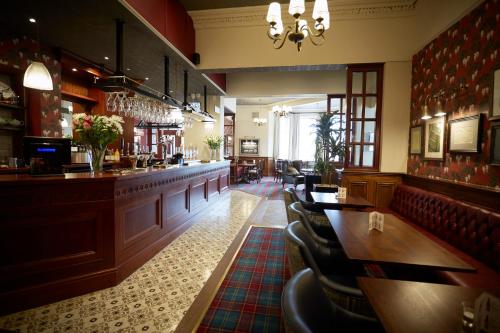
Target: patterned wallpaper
<point>16,53</point>
<point>465,54</point>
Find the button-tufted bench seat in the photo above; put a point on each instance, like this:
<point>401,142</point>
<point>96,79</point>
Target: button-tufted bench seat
<point>468,231</point>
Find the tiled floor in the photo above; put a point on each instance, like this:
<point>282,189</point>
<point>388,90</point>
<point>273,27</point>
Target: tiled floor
<point>156,296</point>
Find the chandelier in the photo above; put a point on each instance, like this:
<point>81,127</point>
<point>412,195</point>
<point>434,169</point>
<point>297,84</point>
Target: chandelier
<point>260,121</point>
<point>281,110</point>
<point>300,29</point>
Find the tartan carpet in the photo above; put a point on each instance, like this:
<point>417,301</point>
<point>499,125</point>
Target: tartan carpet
<point>266,188</point>
<point>249,299</point>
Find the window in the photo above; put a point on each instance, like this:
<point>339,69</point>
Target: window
<point>364,102</point>
<point>338,106</point>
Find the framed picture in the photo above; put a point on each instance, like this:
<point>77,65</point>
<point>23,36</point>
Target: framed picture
<point>495,95</point>
<point>434,139</point>
<point>416,140</point>
<point>249,146</point>
<point>495,144</point>
<point>464,134</point>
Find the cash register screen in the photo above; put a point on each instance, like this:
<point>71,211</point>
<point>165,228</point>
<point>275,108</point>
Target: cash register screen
<point>55,152</point>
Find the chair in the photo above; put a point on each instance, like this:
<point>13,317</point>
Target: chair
<point>287,177</point>
<point>277,169</point>
<point>307,309</point>
<point>255,173</point>
<point>321,233</point>
<point>338,281</point>
<point>290,197</point>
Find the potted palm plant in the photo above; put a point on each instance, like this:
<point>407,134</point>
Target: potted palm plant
<point>329,146</point>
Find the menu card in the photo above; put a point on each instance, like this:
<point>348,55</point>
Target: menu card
<point>487,314</point>
<point>342,193</point>
<point>376,221</point>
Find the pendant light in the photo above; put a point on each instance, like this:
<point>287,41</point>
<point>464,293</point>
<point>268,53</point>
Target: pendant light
<point>37,76</point>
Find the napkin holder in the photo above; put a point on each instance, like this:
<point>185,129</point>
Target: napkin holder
<point>376,221</point>
<point>342,193</point>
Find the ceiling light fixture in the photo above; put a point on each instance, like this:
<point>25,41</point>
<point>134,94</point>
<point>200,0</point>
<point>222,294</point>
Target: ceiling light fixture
<point>74,69</point>
<point>106,58</point>
<point>260,121</point>
<point>37,76</point>
<point>299,30</point>
<point>281,110</point>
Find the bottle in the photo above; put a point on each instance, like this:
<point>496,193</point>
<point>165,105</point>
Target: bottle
<point>117,155</point>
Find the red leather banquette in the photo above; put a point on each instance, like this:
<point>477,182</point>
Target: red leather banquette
<point>470,232</point>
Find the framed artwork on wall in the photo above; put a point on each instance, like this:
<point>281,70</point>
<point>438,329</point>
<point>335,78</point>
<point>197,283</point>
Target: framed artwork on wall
<point>495,144</point>
<point>434,139</point>
<point>416,140</point>
<point>464,134</point>
<point>249,146</point>
<point>495,95</point>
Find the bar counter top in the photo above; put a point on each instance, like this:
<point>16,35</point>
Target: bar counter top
<point>109,175</point>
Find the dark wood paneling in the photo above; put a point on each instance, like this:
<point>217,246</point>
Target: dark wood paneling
<point>358,189</point>
<point>478,195</point>
<point>213,186</point>
<point>376,187</point>
<point>141,220</point>
<point>224,182</point>
<point>57,234</point>
<point>383,193</point>
<point>198,194</point>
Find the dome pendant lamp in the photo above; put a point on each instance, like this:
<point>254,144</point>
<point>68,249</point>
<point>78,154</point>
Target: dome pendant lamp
<point>37,76</point>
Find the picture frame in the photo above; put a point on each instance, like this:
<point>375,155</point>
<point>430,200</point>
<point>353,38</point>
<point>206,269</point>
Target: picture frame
<point>494,113</point>
<point>495,143</point>
<point>416,140</point>
<point>434,139</point>
<point>249,147</point>
<point>464,134</point>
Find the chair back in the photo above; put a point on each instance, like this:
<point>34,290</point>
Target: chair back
<point>289,199</point>
<point>306,308</point>
<point>297,164</point>
<point>299,256</point>
<point>277,164</point>
<point>296,209</point>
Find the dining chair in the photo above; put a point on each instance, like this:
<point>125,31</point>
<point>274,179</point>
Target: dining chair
<point>323,234</point>
<point>307,309</point>
<point>338,280</point>
<point>277,170</point>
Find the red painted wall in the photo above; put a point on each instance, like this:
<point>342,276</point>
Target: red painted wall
<point>467,53</point>
<point>171,19</point>
<point>219,79</point>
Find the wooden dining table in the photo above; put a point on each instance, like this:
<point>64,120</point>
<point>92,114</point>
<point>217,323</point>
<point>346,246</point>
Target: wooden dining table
<point>328,200</point>
<point>398,244</point>
<point>414,307</point>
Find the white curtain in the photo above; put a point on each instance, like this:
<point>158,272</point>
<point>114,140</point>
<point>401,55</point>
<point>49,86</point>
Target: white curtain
<point>276,145</point>
<point>293,148</point>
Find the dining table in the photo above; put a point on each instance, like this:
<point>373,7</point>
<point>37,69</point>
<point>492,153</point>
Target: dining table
<point>327,200</point>
<point>398,244</point>
<point>246,167</point>
<point>414,307</point>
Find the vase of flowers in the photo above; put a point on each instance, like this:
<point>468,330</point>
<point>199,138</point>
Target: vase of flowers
<point>214,143</point>
<point>95,133</point>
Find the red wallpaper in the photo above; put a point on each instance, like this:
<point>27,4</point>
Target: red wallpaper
<point>465,54</point>
<point>171,19</point>
<point>44,107</point>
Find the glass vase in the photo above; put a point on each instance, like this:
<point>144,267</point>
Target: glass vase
<point>98,158</point>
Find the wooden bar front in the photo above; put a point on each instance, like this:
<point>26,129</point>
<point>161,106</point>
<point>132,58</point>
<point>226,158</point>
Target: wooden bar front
<point>69,235</point>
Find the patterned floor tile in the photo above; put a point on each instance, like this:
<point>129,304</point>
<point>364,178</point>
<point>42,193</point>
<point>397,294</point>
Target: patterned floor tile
<point>156,296</point>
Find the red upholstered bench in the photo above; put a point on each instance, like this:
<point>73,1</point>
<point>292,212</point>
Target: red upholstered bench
<point>468,231</point>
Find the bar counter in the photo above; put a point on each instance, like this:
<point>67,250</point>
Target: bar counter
<point>63,236</point>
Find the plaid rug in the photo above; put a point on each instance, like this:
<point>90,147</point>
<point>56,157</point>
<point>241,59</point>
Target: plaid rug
<point>249,299</point>
<point>266,188</point>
